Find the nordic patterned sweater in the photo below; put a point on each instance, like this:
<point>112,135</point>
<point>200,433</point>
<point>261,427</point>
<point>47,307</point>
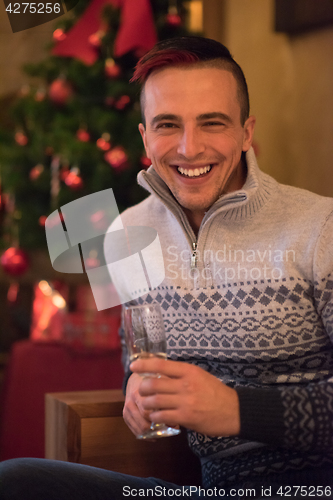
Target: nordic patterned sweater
<point>256,311</point>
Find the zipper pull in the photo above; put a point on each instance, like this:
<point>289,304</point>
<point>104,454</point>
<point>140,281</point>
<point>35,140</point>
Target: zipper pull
<point>194,256</point>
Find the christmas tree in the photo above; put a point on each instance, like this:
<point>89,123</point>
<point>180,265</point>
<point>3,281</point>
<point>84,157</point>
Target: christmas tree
<point>75,131</point>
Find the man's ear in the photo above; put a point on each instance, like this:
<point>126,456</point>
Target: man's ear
<point>248,132</point>
<point>142,131</point>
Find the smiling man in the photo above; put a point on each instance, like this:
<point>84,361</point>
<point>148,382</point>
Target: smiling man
<point>247,295</point>
<point>247,300</point>
<point>194,134</point>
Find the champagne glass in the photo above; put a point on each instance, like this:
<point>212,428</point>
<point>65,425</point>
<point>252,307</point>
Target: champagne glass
<point>145,338</point>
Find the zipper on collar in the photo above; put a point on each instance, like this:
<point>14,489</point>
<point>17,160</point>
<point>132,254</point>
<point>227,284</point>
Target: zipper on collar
<point>194,255</point>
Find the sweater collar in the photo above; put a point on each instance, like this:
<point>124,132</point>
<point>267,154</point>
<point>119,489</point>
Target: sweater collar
<point>237,204</point>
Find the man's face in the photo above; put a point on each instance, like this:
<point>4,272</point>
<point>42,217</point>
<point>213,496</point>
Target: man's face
<point>193,135</point>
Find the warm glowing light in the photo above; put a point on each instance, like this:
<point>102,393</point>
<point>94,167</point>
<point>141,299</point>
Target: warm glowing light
<point>45,287</point>
<point>195,17</point>
<point>58,301</point>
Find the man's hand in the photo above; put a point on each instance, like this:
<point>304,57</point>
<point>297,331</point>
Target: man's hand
<point>185,395</point>
<point>135,416</point>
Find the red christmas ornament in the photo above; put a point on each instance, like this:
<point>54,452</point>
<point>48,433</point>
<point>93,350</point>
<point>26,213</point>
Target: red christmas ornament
<point>42,220</point>
<point>117,158</point>
<point>14,261</point>
<point>103,142</point>
<point>36,171</point>
<point>112,70</point>
<point>83,135</point>
<point>173,18</point>
<point>60,91</point>
<point>145,162</point>
<point>40,95</point>
<point>122,102</point>
<point>21,138</point>
<point>92,262</point>
<point>96,38</point>
<point>59,35</point>
<point>100,220</point>
<point>74,181</point>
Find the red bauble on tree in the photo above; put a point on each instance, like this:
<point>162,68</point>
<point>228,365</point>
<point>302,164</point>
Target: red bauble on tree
<point>122,102</point>
<point>14,261</point>
<point>59,35</point>
<point>117,158</point>
<point>40,95</point>
<point>36,171</point>
<point>96,38</point>
<point>83,135</point>
<point>60,91</point>
<point>103,142</point>
<point>21,138</point>
<point>173,18</point>
<point>112,70</point>
<point>42,220</point>
<point>73,180</point>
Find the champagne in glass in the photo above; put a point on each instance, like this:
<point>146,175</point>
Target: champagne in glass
<point>145,338</point>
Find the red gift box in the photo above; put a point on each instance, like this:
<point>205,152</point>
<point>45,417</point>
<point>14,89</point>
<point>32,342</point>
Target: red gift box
<point>86,328</point>
<point>48,310</point>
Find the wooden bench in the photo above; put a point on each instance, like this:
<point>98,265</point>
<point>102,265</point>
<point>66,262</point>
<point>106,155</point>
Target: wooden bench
<point>88,428</point>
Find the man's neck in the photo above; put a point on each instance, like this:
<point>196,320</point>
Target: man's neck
<point>195,219</point>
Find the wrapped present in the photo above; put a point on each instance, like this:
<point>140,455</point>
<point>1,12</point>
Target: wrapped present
<point>48,310</point>
<point>84,329</point>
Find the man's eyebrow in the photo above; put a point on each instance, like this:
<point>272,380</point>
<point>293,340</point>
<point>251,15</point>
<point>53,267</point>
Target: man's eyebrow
<point>164,116</point>
<point>211,116</point>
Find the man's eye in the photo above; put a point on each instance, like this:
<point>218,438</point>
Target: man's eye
<point>213,124</point>
<point>165,125</point>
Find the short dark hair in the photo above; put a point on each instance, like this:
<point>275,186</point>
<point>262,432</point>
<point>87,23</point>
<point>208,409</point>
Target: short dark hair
<point>191,50</point>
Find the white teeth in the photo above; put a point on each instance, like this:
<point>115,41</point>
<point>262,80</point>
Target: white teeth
<point>196,172</point>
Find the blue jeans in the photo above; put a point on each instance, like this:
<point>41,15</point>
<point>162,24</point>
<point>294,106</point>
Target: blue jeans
<point>39,479</point>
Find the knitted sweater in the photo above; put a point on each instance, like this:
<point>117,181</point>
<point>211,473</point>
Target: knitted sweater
<point>255,310</point>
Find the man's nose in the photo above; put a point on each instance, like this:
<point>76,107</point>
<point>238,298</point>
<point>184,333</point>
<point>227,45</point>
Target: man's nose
<point>190,143</point>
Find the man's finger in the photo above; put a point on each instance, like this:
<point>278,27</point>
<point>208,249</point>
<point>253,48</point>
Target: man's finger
<point>172,369</point>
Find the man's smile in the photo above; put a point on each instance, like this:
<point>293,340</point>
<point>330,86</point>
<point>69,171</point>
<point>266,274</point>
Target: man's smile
<point>187,171</point>
<point>194,172</point>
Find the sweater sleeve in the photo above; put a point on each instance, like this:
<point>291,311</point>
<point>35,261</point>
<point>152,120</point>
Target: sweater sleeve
<point>299,417</point>
<point>294,417</point>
